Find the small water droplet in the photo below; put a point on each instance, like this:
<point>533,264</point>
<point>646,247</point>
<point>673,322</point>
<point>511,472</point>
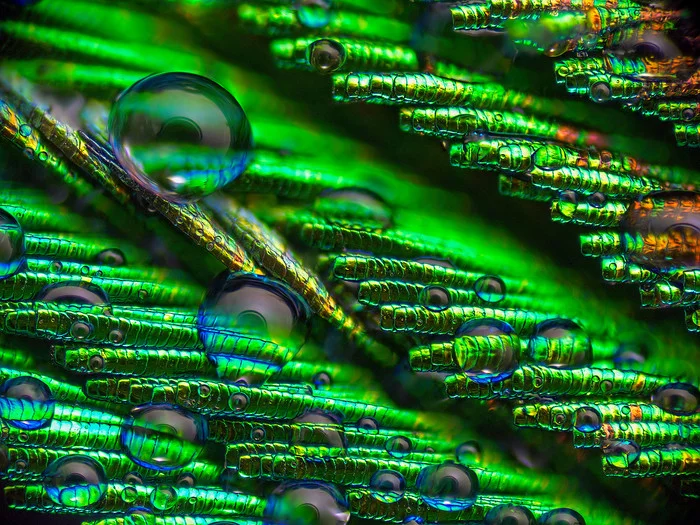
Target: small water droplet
<point>490,289</point>
<point>398,446</point>
<point>587,419</point>
<point>326,56</point>
<point>387,485</point>
<point>449,486</point>
<point>435,298</point>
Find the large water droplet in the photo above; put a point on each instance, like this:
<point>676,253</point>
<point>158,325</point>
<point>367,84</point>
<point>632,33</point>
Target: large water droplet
<point>75,481</point>
<point>73,293</point>
<point>621,453</point>
<point>163,437</point>
<point>180,135</point>
<point>561,516</point>
<point>40,406</point>
<point>448,486</point>
<point>323,430</point>
<point>485,326</point>
<point>314,13</point>
<point>490,289</point>
<point>256,307</point>
<point>668,225</point>
<point>11,245</point>
<point>677,398</point>
<point>434,298</point>
<point>398,446</point>
<point>587,419</point>
<point>307,503</point>
<point>560,343</point>
<point>326,56</point>
<point>387,485</point>
<point>510,515</point>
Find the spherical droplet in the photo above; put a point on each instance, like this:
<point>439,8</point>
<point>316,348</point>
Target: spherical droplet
<point>80,330</point>
<point>600,92</point>
<point>129,494</point>
<point>688,114</point>
<point>238,402</point>
<point>180,135</point>
<point>163,437</point>
<point>254,307</point>
<point>468,452</point>
<point>115,336</point>
<point>185,480</point>
<point>490,289</point>
<point>485,326</point>
<point>163,497</point>
<point>322,380</point>
<point>111,257</point>
<point>387,485</point>
<point>326,56</point>
<point>35,400</point>
<point>11,245</point>
<point>434,298</point>
<point>368,425</point>
<point>668,225</point>
<point>318,428</point>
<point>307,503</point>
<point>561,517</point>
<point>560,343</point>
<point>314,13</point>
<point>597,199</point>
<point>133,478</point>
<point>621,453</point>
<point>75,481</point>
<point>73,293</point>
<point>549,157</point>
<point>677,398</point>
<point>448,486</point>
<point>96,363</point>
<point>587,419</point>
<point>398,446</point>
<point>510,515</point>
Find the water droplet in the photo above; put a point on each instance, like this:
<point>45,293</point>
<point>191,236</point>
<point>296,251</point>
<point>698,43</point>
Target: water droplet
<point>111,257</point>
<point>116,336</point>
<point>180,135</point>
<point>163,437</point>
<point>434,298</point>
<point>448,486</point>
<point>509,515</point>
<point>133,478</point>
<point>549,157</point>
<point>597,200</point>
<point>11,245</point>
<point>323,429</point>
<point>43,156</point>
<point>36,402</point>
<point>96,363</point>
<point>621,453</point>
<point>490,289</point>
<point>75,481</point>
<point>25,130</point>
<point>326,56</point>
<point>560,343</point>
<point>568,196</point>
<point>398,446</point>
<point>251,306</point>
<point>485,326</point>
<point>368,425</point>
<point>307,503</point>
<point>600,92</point>
<point>677,398</point>
<point>186,480</point>
<point>688,114</point>
<point>80,330</point>
<point>322,380</point>
<point>56,266</point>
<point>163,497</point>
<point>73,293</point>
<point>561,517</point>
<point>468,452</point>
<point>129,494</point>
<point>387,485</point>
<point>314,13</point>
<point>587,419</point>
<point>203,390</point>
<point>257,434</point>
<point>668,225</point>
<point>238,402</point>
